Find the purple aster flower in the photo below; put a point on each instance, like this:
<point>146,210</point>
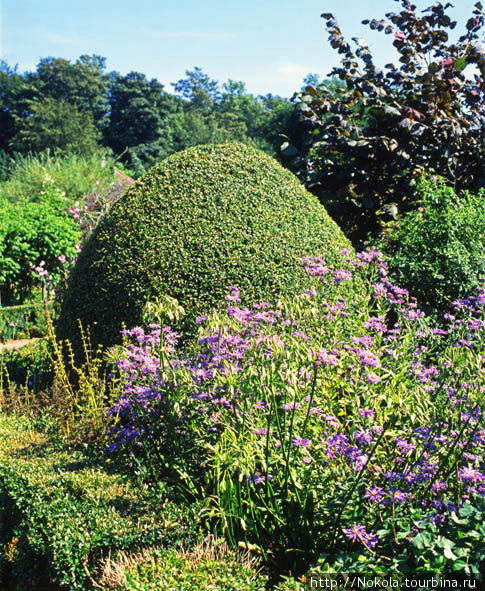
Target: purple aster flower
<point>261,431</point>
<point>357,533</point>
<point>258,478</point>
<point>397,496</point>
<point>326,358</point>
<point>342,275</point>
<point>374,494</point>
<point>362,437</point>
<point>470,475</point>
<point>233,295</point>
<point>300,442</point>
<point>366,412</point>
<point>291,405</point>
<point>373,378</point>
<point>368,358</point>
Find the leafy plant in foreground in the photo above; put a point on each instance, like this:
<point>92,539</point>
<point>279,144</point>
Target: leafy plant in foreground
<point>314,429</point>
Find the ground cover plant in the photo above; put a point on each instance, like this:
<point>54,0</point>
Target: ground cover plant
<point>61,511</point>
<point>317,441</point>
<point>200,220</point>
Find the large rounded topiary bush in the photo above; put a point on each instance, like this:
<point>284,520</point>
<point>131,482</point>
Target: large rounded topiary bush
<point>201,220</point>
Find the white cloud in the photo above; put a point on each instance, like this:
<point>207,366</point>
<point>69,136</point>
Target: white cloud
<point>291,69</point>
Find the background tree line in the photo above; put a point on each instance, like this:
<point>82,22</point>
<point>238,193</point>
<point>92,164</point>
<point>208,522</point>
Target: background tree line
<point>76,107</point>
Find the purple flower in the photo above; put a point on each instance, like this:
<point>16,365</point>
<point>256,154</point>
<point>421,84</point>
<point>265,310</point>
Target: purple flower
<point>397,496</point>
<point>326,358</point>
<point>439,486</point>
<point>373,378</point>
<point>362,437</point>
<point>357,533</point>
<point>374,494</point>
<point>368,358</point>
<point>261,431</point>
<point>342,275</point>
<point>233,295</point>
<point>300,442</point>
<point>258,478</point>
<point>470,475</point>
<point>291,405</point>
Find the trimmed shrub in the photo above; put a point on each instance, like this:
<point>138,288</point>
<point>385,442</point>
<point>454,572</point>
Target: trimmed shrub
<point>201,220</point>
<point>61,512</point>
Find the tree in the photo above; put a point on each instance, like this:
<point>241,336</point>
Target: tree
<point>82,84</point>
<point>11,85</point>
<point>201,92</point>
<point>55,125</point>
<point>141,119</point>
<point>362,144</point>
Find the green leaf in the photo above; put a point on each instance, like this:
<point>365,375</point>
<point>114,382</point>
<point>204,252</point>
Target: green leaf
<point>288,149</point>
<point>460,64</point>
<point>449,553</point>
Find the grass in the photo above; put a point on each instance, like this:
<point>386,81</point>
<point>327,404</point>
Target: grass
<point>73,174</point>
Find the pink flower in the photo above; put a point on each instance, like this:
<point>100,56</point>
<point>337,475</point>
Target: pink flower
<point>61,258</point>
<point>400,36</point>
<point>373,378</point>
<point>78,247</point>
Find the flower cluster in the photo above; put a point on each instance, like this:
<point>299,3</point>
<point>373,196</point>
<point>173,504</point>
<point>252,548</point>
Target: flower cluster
<point>319,405</point>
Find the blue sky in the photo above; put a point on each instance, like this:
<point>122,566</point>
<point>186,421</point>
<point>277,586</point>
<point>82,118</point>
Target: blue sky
<point>269,44</point>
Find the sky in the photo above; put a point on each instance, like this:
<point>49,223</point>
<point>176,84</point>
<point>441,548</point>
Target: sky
<point>271,45</point>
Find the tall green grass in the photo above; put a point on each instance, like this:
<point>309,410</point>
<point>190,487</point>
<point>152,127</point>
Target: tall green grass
<point>24,177</point>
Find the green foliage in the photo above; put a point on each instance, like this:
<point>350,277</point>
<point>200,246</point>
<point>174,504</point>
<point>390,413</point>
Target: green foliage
<point>22,322</point>
<point>60,512</point>
<point>81,84</point>
<point>139,126</point>
<point>361,143</point>
<point>336,441</point>
<point>437,250</point>
<point>29,367</point>
<point>459,547</point>
<point>33,235</point>
<point>455,548</point>
<point>55,125</point>
<point>198,89</point>
<point>199,221</point>
<point>10,93</point>
<point>168,569</point>
<point>214,115</point>
<point>134,116</point>
<point>72,174</point>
